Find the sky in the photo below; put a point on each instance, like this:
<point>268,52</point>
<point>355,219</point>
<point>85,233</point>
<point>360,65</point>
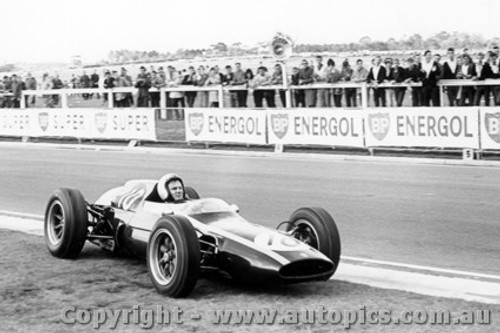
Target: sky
<point>56,30</point>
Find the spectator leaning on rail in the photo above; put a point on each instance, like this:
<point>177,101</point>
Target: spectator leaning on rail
<point>213,80</point>
<point>430,90</point>
<point>7,91</point>
<point>143,83</point>
<point>322,95</point>
<point>414,75</point>
<point>399,75</point>
<point>389,92</point>
<point>227,80</point>
<point>17,88</point>
<point>262,79</point>
<point>189,79</point>
<point>450,68</point>
<point>239,80</point>
<point>359,75</point>
<point>85,83</point>
<point>157,82</point>
<point>484,72</point>
<point>47,85</point>
<point>376,76</point>
<point>334,76</point>
<point>350,93</point>
<point>108,83</point>
<point>493,61</point>
<point>94,82</point>
<point>467,71</point>
<point>249,76</point>
<point>200,81</point>
<point>119,98</point>
<point>306,77</point>
<point>298,94</point>
<point>30,85</point>
<point>129,99</point>
<point>277,80</point>
<point>56,84</point>
<point>175,98</point>
<point>2,92</point>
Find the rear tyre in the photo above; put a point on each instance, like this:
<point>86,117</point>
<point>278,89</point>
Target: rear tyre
<point>173,256</point>
<point>191,193</point>
<point>65,225</point>
<point>316,227</point>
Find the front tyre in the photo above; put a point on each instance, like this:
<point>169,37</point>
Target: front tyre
<point>173,256</point>
<point>316,227</point>
<point>65,227</point>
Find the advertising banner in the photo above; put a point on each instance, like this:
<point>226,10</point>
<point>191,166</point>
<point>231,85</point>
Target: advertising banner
<point>226,125</point>
<point>79,123</point>
<point>331,127</point>
<point>450,127</point>
<point>490,128</point>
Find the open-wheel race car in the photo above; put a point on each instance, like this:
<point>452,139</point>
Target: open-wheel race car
<point>181,240</point>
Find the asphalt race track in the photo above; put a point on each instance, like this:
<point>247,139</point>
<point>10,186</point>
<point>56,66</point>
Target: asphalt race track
<point>435,215</point>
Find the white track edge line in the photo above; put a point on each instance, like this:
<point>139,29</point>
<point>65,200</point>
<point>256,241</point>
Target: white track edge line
<point>423,268</point>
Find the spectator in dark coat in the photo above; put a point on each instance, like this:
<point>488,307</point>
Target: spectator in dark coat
<point>56,84</point>
<point>483,70</point>
<point>431,74</point>
<point>399,75</point>
<point>7,90</point>
<point>17,86</point>
<point>414,75</point>
<point>85,83</point>
<point>376,76</point>
<point>143,83</point>
<point>94,82</point>
<point>190,80</point>
<point>109,82</point>
<point>450,68</point>
<point>298,94</point>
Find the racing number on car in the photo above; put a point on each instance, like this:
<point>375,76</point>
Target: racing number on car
<point>275,242</point>
<point>130,200</point>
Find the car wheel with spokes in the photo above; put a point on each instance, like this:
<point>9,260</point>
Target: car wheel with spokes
<point>173,256</point>
<point>65,226</point>
<point>316,227</point>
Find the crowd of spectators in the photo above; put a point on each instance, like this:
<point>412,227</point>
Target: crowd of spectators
<point>389,79</point>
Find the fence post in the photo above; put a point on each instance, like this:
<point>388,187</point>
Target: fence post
<point>286,86</point>
<point>364,95</point>
<point>23,100</point>
<point>110,98</point>
<point>221,96</point>
<point>163,103</point>
<point>64,99</point>
<point>441,95</point>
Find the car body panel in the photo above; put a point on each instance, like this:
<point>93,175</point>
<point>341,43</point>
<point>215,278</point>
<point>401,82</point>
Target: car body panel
<point>245,250</point>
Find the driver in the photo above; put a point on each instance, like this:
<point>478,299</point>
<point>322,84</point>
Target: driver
<point>171,188</point>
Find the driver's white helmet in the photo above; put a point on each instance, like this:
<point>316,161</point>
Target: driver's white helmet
<point>162,188</point>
